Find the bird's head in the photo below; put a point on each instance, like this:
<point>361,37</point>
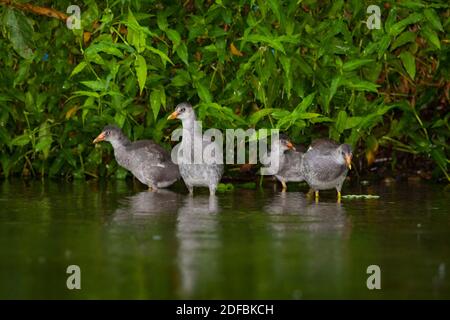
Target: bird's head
<point>111,134</point>
<point>346,153</point>
<point>182,111</point>
<point>285,143</point>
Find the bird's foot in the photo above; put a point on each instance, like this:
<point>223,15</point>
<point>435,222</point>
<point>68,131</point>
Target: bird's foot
<point>212,190</point>
<point>284,186</point>
<point>191,189</point>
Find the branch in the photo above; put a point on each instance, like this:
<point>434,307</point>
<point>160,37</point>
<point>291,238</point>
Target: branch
<point>49,12</point>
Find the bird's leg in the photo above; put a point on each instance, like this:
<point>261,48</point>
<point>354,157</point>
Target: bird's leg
<point>212,190</point>
<point>339,197</point>
<point>191,189</point>
<point>152,188</point>
<point>317,195</point>
<point>283,183</point>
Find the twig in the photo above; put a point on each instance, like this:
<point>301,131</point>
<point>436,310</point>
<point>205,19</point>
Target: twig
<point>49,12</point>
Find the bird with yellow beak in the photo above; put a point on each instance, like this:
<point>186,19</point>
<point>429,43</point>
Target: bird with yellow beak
<point>195,174</point>
<point>325,165</point>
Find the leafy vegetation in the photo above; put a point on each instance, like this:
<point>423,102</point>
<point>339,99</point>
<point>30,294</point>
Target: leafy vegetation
<point>311,68</point>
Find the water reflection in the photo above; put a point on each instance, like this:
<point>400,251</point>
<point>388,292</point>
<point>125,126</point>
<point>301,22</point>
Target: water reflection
<point>286,203</point>
<point>315,217</point>
<point>198,240</point>
<point>315,233</point>
<point>148,203</point>
<point>244,244</point>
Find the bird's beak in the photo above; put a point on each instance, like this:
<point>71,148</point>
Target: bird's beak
<point>348,161</point>
<point>173,115</point>
<point>290,145</point>
<point>100,137</point>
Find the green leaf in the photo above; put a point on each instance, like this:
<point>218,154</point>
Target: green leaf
<point>286,63</point>
<point>141,71</point>
<point>78,68</point>
<point>352,122</point>
<point>397,28</point>
<point>258,115</point>
<point>86,93</point>
<point>181,78</point>
<point>404,38</point>
<point>20,32</point>
<point>433,18</point>
<point>21,140</point>
<point>97,85</point>
<point>355,64</point>
<point>303,106</point>
<point>383,44</point>
<point>225,187</point>
<point>103,46</point>
<point>307,115</point>
<point>44,144</point>
<point>182,53</point>
<point>275,6</point>
<point>95,58</point>
<point>45,139</point>
<point>257,38</point>
<point>361,85</point>
<point>440,158</point>
<point>341,121</point>
<point>409,62</point>
<point>174,36</point>
<point>280,113</point>
<point>161,20</point>
<point>119,118</point>
<point>390,20</point>
<point>304,66</point>
<point>155,102</point>
<point>161,54</point>
<point>203,92</point>
<point>411,4</point>
<point>332,91</point>
<point>431,36</point>
<point>137,35</point>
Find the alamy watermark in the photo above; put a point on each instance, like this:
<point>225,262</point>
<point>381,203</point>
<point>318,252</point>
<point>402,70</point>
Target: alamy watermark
<point>207,148</point>
<point>374,280</point>
<point>74,280</point>
<point>74,20</point>
<point>374,20</point>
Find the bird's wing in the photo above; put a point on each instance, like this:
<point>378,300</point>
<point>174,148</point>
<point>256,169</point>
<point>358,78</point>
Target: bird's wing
<point>149,152</point>
<point>325,146</point>
<point>292,165</point>
<point>294,159</point>
<point>324,167</point>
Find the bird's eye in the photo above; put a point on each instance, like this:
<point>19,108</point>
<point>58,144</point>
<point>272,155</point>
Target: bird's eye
<point>106,133</point>
<point>182,109</point>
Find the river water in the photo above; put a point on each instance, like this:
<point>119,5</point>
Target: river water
<point>246,244</point>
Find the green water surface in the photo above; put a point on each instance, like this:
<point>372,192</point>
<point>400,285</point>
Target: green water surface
<point>249,244</point>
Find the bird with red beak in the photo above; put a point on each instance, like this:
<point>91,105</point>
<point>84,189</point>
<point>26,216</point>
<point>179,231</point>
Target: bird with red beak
<point>289,161</point>
<point>148,162</point>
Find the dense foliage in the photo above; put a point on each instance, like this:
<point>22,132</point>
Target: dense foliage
<point>311,68</point>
